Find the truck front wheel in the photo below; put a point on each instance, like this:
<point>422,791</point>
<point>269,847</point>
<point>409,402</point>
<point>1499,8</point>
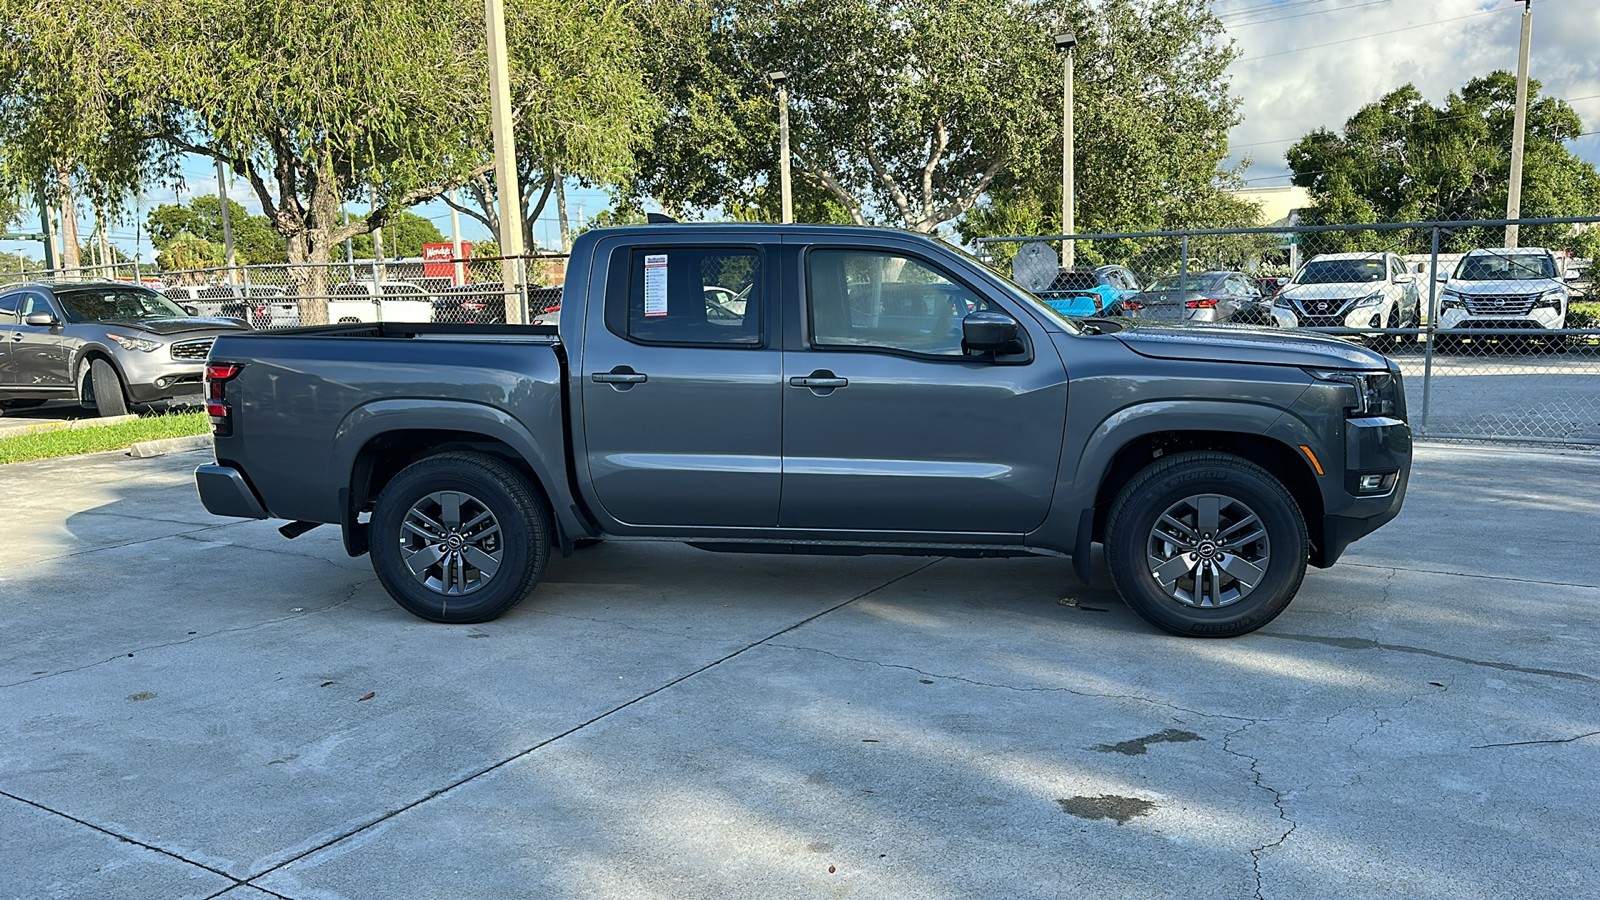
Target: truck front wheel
<point>1205,544</point>
<point>460,537</point>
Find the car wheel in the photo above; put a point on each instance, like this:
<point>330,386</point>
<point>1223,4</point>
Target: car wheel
<point>1205,544</point>
<point>106,389</point>
<point>460,537</point>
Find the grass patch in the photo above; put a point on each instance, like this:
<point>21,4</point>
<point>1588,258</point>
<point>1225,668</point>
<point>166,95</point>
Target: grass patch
<point>50,444</point>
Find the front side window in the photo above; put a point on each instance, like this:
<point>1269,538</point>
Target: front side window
<point>885,301</point>
<point>695,295</point>
<point>116,304</point>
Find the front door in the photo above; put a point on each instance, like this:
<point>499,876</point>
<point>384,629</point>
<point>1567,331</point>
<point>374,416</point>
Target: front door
<point>887,425</point>
<point>36,354</point>
<point>681,386</point>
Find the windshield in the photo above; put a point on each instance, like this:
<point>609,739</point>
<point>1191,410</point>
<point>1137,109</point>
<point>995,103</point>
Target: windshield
<point>1339,271</point>
<point>123,304</point>
<point>1494,267</point>
<point>1201,282</point>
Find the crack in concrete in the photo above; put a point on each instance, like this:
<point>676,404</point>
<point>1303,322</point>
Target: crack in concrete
<point>1531,743</point>
<point>1011,687</point>
<point>1370,644</point>
<point>350,594</point>
<point>396,811</point>
<point>1277,802</point>
<point>1474,575</point>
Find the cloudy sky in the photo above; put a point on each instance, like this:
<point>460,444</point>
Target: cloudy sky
<point>1310,63</point>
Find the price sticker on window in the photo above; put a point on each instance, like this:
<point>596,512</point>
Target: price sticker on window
<point>655,285</point>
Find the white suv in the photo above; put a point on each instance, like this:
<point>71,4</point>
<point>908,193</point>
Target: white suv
<point>1351,290</point>
<point>1518,288</point>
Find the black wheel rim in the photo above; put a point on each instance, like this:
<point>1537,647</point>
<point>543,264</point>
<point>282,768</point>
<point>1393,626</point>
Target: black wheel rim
<point>1208,551</point>
<point>451,543</point>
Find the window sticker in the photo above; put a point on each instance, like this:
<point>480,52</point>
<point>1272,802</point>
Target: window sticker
<point>655,285</point>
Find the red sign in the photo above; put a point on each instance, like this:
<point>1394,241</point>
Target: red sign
<point>438,260</point>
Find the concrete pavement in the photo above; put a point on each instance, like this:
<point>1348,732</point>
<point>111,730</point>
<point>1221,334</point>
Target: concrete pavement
<point>191,707</point>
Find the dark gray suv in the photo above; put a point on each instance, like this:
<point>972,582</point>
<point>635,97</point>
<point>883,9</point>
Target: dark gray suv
<point>107,345</point>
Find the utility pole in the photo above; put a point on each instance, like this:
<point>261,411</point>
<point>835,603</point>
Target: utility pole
<point>227,226</point>
<point>455,236</point>
<point>378,275</point>
<point>106,259</point>
<point>349,245</point>
<point>505,158</point>
<point>780,79</point>
<point>1519,124</point>
<point>48,227</point>
<point>1064,42</point>
<point>561,211</point>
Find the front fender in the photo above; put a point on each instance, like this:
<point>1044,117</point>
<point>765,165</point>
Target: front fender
<point>546,456</point>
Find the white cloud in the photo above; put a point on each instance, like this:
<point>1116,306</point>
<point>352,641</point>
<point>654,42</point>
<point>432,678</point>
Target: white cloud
<point>1290,83</point>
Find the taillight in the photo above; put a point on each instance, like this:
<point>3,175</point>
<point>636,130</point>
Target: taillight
<point>217,377</point>
<point>1206,303</point>
<point>1132,304</point>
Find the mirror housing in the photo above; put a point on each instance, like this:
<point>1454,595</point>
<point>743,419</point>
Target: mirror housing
<point>1403,278</point>
<point>191,310</point>
<point>1441,276</point>
<point>1570,275</point>
<point>42,319</point>
<point>989,332</point>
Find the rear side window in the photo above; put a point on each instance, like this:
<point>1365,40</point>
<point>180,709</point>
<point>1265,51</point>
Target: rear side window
<point>8,307</point>
<point>694,295</point>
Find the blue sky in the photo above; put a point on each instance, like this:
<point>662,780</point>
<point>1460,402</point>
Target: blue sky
<point>1303,64</point>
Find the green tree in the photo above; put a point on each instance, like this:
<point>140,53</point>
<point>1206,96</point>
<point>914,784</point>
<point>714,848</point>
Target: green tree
<point>1402,159</point>
<point>403,237</point>
<point>901,112</point>
<point>254,238</point>
<point>186,250</point>
<point>1151,113</point>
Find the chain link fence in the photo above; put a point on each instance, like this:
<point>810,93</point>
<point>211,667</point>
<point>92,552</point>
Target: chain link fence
<point>460,291</point>
<point>1495,343</point>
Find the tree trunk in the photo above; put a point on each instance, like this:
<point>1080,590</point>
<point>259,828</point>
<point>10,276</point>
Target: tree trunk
<point>70,260</point>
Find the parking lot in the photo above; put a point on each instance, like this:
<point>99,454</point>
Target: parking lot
<point>195,707</point>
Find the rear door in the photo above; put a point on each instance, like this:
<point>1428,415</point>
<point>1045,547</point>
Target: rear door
<point>888,426</point>
<point>681,383</point>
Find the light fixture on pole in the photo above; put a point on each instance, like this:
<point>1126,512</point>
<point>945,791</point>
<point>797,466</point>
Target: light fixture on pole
<point>1064,42</point>
<point>779,80</point>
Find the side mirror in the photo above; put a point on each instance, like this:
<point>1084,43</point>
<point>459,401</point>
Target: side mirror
<point>1571,275</point>
<point>42,319</point>
<point>1403,278</point>
<point>984,332</point>
<point>192,310</point>
<point>1442,276</point>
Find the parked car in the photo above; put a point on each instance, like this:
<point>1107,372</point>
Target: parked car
<point>1270,285</point>
<point>471,303</point>
<point>1206,297</point>
<point>387,301</point>
<point>107,345</point>
<point>1352,291</point>
<point>1520,288</point>
<point>844,408</point>
<point>1090,292</point>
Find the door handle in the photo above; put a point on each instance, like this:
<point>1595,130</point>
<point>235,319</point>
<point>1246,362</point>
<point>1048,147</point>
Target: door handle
<point>621,378</point>
<point>812,381</point>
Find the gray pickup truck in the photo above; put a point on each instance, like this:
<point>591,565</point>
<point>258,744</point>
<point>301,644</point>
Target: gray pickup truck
<point>806,389</point>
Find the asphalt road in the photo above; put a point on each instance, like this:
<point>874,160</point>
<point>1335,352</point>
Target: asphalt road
<point>193,707</point>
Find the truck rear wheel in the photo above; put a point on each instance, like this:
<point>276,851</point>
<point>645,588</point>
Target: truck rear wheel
<point>1205,544</point>
<point>460,537</point>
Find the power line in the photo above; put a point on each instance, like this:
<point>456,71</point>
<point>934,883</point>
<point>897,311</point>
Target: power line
<point>1372,35</point>
<point>1315,12</point>
<point>1250,11</point>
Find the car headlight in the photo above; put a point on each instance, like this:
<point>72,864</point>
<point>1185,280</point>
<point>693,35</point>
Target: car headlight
<point>133,343</point>
<point>1279,301</point>
<point>1449,299</point>
<point>1376,393</point>
<point>1551,299</point>
<point>1372,299</point>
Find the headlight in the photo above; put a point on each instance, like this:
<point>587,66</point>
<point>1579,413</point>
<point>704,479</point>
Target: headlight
<point>1451,300</point>
<point>133,343</point>
<point>1280,301</point>
<point>1376,393</point>
<point>1372,299</point>
<point>1551,299</point>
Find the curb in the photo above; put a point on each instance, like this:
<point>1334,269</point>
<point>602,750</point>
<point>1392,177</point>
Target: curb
<point>148,449</point>
<point>18,430</point>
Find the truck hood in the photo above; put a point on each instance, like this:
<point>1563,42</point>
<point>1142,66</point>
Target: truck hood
<point>178,326</point>
<point>1252,345</point>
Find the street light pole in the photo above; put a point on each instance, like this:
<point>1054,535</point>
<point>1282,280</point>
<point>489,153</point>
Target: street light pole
<point>780,79</point>
<point>507,192</point>
<point>1064,43</point>
<point>227,226</point>
<point>1519,124</point>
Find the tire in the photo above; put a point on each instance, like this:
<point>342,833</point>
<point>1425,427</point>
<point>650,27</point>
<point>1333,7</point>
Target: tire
<point>1214,605</point>
<point>460,591</point>
<point>109,399</point>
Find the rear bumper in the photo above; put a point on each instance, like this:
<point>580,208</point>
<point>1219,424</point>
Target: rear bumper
<point>224,492</point>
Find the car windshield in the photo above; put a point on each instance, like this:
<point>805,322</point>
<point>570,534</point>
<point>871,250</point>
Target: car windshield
<point>116,304</point>
<point>1497,267</point>
<point>1174,282</point>
<point>1340,271</point>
